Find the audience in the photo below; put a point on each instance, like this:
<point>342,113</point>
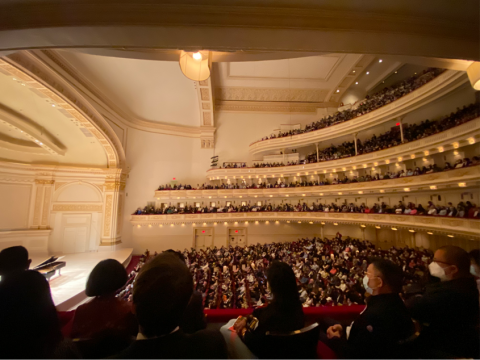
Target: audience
<point>105,314</point>
<point>283,313</point>
<point>373,102</point>
<point>475,266</point>
<point>385,323</point>
<point>449,309</point>
<point>12,260</point>
<point>409,209</point>
<point>328,272</point>
<point>335,181</point>
<point>29,326</point>
<point>161,294</point>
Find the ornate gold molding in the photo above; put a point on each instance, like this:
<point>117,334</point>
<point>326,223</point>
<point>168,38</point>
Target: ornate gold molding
<point>44,182</point>
<point>40,78</point>
<point>77,207</point>
<point>107,222</point>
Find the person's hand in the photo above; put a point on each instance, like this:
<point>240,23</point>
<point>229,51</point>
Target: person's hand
<point>334,331</point>
<point>240,324</point>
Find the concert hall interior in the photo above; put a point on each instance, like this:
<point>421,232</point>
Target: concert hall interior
<point>230,132</point>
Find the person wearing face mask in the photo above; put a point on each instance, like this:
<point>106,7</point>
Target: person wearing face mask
<point>384,323</point>
<point>475,266</point>
<point>449,309</point>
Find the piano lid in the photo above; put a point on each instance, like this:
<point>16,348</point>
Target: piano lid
<point>48,261</point>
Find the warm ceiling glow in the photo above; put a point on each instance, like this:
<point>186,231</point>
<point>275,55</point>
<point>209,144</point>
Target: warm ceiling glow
<point>195,66</point>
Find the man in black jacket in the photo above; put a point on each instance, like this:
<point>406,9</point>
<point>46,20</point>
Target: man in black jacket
<point>161,294</point>
<point>385,322</point>
<point>449,309</point>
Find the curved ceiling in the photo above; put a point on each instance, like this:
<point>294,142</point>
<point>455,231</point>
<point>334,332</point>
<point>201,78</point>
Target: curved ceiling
<point>148,90</point>
<point>36,130</point>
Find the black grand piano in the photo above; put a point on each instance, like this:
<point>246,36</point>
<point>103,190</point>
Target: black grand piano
<point>49,267</point>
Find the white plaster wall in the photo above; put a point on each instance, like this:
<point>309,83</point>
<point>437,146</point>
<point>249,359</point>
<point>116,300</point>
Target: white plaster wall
<point>15,200</point>
<point>156,159</point>
<point>236,131</point>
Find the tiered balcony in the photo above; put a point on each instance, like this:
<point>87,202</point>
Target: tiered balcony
<point>438,224</point>
<point>443,84</point>
<point>462,135</point>
<point>452,179</point>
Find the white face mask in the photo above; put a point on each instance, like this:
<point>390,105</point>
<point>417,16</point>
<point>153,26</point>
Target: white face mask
<point>473,271</point>
<point>437,271</point>
<point>365,285</point>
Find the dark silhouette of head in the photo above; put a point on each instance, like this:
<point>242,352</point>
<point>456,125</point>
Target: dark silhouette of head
<point>161,294</point>
<point>29,323</point>
<point>457,258</point>
<point>106,278</point>
<point>13,259</point>
<point>283,285</point>
<point>176,253</point>
<point>390,273</point>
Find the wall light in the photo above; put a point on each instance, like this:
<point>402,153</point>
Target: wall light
<point>378,227</point>
<point>429,233</point>
<point>471,140</point>
<point>411,230</point>
<point>299,222</point>
<point>335,224</point>
<point>196,66</point>
<point>267,222</point>
<point>363,226</point>
<point>360,192</point>
<point>311,222</point>
<point>406,189</point>
<point>256,222</point>
<point>394,229</point>
<point>462,184</point>
<point>450,236</point>
<point>440,149</point>
<point>433,187</point>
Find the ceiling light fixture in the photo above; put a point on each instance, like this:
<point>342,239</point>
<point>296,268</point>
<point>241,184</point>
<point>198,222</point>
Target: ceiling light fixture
<point>368,72</point>
<point>196,66</point>
<point>356,83</point>
<point>380,60</point>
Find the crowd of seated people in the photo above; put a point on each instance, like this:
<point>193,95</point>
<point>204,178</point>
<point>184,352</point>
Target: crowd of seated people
<point>233,165</point>
<point>284,277</point>
<point>462,210</point>
<point>328,272</point>
<point>460,163</point>
<point>393,137</point>
<point>373,102</point>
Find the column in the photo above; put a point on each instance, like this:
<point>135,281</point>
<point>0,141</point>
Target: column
<point>401,128</point>
<point>113,199</point>
<point>355,140</point>
<point>318,158</point>
<point>43,198</point>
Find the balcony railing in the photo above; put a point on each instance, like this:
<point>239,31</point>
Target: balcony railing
<point>434,89</point>
<point>462,135</point>
<point>437,224</point>
<point>467,177</point>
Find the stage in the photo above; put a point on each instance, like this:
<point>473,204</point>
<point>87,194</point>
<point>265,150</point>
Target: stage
<point>68,290</point>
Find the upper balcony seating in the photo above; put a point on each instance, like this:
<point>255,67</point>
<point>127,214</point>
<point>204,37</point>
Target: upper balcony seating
<point>389,139</point>
<point>460,163</point>
<point>373,102</point>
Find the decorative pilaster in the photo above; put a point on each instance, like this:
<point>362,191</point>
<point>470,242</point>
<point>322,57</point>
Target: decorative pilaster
<point>207,123</point>
<point>41,208</point>
<point>113,197</point>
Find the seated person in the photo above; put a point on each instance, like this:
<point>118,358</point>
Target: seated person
<point>283,313</point>
<point>29,324</point>
<point>161,294</point>
<point>449,307</point>
<point>384,323</point>
<point>105,313</point>
<point>12,260</point>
